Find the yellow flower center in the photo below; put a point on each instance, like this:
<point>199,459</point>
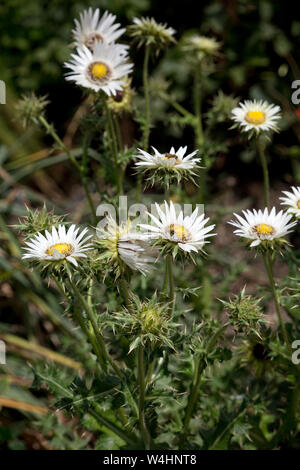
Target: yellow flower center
<point>298,204</point>
<point>169,156</point>
<point>62,248</point>
<point>99,70</point>
<point>255,117</point>
<point>264,229</point>
<point>179,231</point>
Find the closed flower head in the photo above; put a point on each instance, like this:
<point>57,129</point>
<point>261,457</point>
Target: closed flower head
<point>147,31</point>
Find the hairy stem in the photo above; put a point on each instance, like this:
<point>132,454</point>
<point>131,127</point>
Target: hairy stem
<point>96,329</point>
<point>84,328</point>
<point>114,144</point>
<point>131,440</point>
<point>269,269</point>
<point>199,368</point>
<point>171,283</point>
<point>141,380</point>
<point>263,161</point>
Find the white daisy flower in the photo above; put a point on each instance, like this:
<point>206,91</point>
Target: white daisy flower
<point>263,225</point>
<point>122,243</point>
<point>188,232</point>
<point>256,115</point>
<point>91,29</point>
<point>103,69</point>
<point>171,160</point>
<point>292,200</point>
<point>58,245</point>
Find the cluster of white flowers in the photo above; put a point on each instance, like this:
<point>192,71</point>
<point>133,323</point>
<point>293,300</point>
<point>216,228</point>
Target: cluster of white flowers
<point>99,63</point>
<point>123,244</point>
<point>102,64</point>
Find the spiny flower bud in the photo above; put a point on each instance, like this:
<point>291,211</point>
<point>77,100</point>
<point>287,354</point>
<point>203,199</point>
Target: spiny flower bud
<point>146,31</point>
<point>38,220</point>
<point>245,313</point>
<point>30,108</point>
<point>221,108</point>
<point>146,323</point>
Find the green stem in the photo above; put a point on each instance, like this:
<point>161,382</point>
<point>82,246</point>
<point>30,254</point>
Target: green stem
<point>118,132</point>
<point>96,329</point>
<point>171,283</point>
<point>262,156</point>
<point>199,368</point>
<point>147,100</point>
<point>166,278</point>
<point>141,380</point>
<point>65,149</point>
<point>124,291</point>
<point>113,427</point>
<point>177,106</point>
<point>80,320</point>
<point>269,269</point>
<point>114,143</point>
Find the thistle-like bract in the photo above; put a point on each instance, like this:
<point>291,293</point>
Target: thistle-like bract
<point>146,31</point>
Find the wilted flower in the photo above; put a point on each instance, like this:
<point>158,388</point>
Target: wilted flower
<point>121,246</point>
<point>103,69</point>
<point>256,353</point>
<point>263,226</point>
<point>146,31</point>
<point>121,102</point>
<point>256,116</point>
